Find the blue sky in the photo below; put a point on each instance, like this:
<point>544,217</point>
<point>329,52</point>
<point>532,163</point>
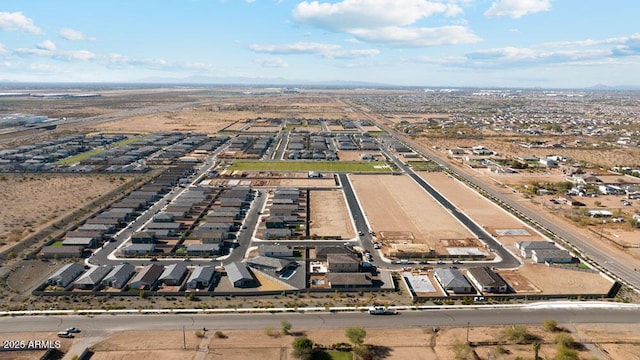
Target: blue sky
<point>515,43</point>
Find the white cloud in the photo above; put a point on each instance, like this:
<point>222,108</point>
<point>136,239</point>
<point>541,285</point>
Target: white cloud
<point>414,37</point>
<point>83,55</point>
<point>47,45</point>
<point>357,14</point>
<point>2,50</point>
<point>272,63</point>
<point>325,50</point>
<point>17,21</point>
<point>386,21</point>
<point>74,35</point>
<point>517,8</point>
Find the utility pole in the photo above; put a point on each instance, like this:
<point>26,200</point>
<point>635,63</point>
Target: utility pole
<point>468,325</point>
<point>184,339</point>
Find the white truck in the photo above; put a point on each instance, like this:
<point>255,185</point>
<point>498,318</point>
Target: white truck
<point>379,310</point>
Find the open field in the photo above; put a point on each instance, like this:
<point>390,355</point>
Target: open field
<point>225,108</point>
<point>329,215</point>
<point>319,166</point>
<point>396,204</point>
<point>32,201</point>
<point>388,344</point>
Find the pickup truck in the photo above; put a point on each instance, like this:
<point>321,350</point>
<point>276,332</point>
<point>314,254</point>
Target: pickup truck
<point>379,310</point>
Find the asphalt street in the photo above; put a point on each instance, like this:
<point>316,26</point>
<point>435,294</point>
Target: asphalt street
<point>413,318</point>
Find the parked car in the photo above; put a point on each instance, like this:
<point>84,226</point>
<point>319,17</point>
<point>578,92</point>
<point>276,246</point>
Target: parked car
<point>73,330</point>
<point>65,334</point>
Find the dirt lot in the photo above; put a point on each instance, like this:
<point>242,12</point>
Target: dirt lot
<point>355,155</point>
<point>481,210</point>
<point>30,202</point>
<point>557,281</point>
<point>617,341</point>
<point>397,204</point>
<point>329,215</point>
<point>388,344</point>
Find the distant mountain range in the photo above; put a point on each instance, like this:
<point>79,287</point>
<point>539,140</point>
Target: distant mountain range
<point>211,80</point>
<point>617,87</point>
<point>274,82</point>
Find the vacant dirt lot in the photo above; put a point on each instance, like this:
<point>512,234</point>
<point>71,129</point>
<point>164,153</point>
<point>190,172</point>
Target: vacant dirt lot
<point>559,281</point>
<point>388,344</point>
<point>617,341</point>
<point>481,210</point>
<point>329,215</point>
<point>355,155</point>
<point>30,202</point>
<point>398,204</point>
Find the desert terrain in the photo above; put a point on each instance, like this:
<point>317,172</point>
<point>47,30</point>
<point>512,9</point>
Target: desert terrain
<point>30,202</point>
<point>329,215</point>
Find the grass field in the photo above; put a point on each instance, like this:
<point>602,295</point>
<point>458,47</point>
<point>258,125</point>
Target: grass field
<point>85,155</point>
<point>319,166</point>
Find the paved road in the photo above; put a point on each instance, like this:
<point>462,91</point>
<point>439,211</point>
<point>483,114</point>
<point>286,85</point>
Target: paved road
<point>423,318</point>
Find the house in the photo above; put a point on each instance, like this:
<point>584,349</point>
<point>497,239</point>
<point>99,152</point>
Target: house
<point>61,252</point>
<point>211,236</point>
<point>611,190</point>
<point>599,213</point>
<point>276,233</point>
<point>269,263</point>
<point>349,280</point>
<point>147,277</point>
<point>548,163</point>
<point>92,278</point>
<point>239,275</point>
<point>143,237</point>
<point>203,249</point>
<point>274,222</point>
<point>107,228</point>
<point>84,242</point>
<point>119,275</point>
<point>342,263</point>
<point>526,247</point>
<point>138,249</point>
<point>551,256</point>
<point>456,151</point>
<point>201,277</point>
<point>163,217</point>
<point>275,251</point>
<point>453,280</point>
<point>173,274</point>
<point>65,275</point>
<point>486,280</point>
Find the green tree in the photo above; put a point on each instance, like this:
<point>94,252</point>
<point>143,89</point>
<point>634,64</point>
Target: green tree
<point>285,326</point>
<point>355,335</point>
<point>302,348</point>
<point>519,334</point>
<point>462,351</point>
<point>566,354</point>
<point>565,340</point>
<point>550,325</point>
